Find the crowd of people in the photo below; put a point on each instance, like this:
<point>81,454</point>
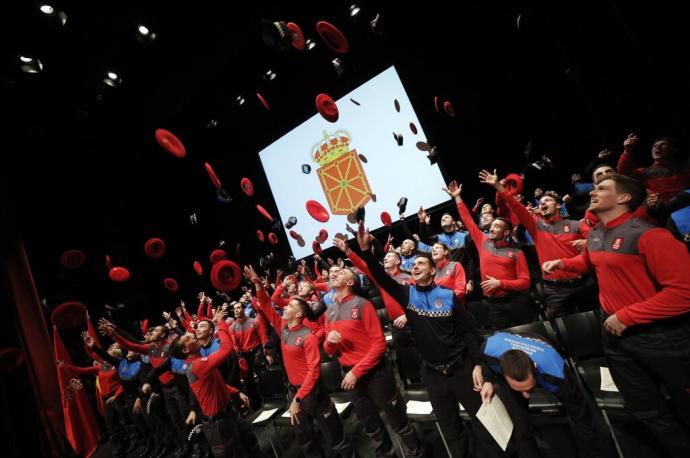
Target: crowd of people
<point>617,244</point>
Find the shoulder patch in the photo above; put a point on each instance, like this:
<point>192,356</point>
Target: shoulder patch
<point>355,313</point>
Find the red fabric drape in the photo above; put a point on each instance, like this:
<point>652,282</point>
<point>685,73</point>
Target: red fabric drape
<point>35,342</point>
<point>80,424</point>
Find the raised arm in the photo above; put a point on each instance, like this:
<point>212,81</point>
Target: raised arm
<point>263,301</point>
<point>203,367</point>
<point>375,271</point>
<point>519,210</point>
<point>454,190</point>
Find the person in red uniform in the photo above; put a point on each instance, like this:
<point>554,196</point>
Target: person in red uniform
<point>392,260</point>
<point>644,290</point>
<point>156,349</point>
<point>449,274</point>
<point>554,237</point>
<point>249,337</point>
<point>302,361</point>
<point>306,291</point>
<point>110,391</point>
<point>215,397</point>
<point>667,176</point>
<point>354,334</point>
<point>504,269</point>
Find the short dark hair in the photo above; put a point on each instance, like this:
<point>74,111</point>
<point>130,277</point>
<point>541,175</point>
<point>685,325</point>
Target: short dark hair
<point>305,308</point>
<point>210,322</point>
<point>396,254</point>
<point>445,247</point>
<point>176,349</point>
<point>451,216</point>
<point>626,185</point>
<point>506,222</point>
<point>428,257</point>
<point>554,195</point>
<point>517,365</point>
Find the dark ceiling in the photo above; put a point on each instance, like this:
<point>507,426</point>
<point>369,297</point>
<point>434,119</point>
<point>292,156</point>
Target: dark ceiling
<point>84,171</point>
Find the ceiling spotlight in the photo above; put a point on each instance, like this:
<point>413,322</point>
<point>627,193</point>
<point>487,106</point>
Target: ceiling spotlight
<point>47,10</point>
<point>270,75</point>
<point>309,44</point>
<point>354,10</point>
<point>30,65</point>
<point>239,101</point>
<point>112,79</point>
<point>338,66</point>
<point>145,34</point>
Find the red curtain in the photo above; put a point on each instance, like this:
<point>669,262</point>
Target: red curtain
<point>36,342</point>
<point>80,425</point>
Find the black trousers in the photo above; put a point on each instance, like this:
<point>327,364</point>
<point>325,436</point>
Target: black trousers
<point>177,407</point>
<point>644,357</point>
<point>504,312</point>
<point>254,362</point>
<point>113,413</point>
<point>136,419</point>
<point>318,407</point>
<point>565,299</point>
<point>446,391</point>
<point>377,390</point>
<point>229,436</point>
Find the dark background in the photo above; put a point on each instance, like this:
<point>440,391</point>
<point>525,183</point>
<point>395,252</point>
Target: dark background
<point>83,170</point>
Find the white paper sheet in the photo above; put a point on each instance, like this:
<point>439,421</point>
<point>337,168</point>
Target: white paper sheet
<point>341,406</point>
<point>607,383</point>
<point>496,420</point>
<point>419,407</point>
<point>265,415</point>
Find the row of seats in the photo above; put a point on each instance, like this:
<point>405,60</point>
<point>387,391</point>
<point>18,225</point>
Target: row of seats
<point>577,337</point>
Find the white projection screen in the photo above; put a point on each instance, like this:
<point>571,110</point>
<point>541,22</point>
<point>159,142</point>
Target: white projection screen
<point>342,178</point>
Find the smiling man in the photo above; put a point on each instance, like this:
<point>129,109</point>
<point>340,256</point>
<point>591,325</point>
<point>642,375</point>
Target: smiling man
<point>644,284</point>
<point>301,358</point>
<point>446,337</point>
<point>554,237</point>
<point>220,418</point>
<point>504,269</point>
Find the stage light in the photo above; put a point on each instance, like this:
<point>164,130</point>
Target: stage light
<point>145,35</point>
<point>30,65</point>
<point>47,10</point>
<point>112,79</point>
<point>354,10</point>
<point>270,75</point>
<point>309,44</point>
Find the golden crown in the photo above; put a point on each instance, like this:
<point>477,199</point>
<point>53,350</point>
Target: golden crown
<point>331,147</point>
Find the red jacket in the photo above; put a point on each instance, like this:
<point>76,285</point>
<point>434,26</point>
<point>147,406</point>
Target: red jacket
<point>551,237</point>
<point>315,326</point>
<point>204,378</point>
<point>643,271</point>
<point>157,353</point>
<point>300,349</point>
<point>392,306</point>
<point>362,343</point>
<point>248,333</point>
<point>108,378</point>
<point>500,262</point>
<point>656,178</point>
<point>451,275</point>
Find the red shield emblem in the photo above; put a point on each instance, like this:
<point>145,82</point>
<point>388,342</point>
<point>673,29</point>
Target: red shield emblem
<point>617,243</point>
<point>355,313</point>
<point>298,340</point>
<point>511,254</point>
<point>566,229</point>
